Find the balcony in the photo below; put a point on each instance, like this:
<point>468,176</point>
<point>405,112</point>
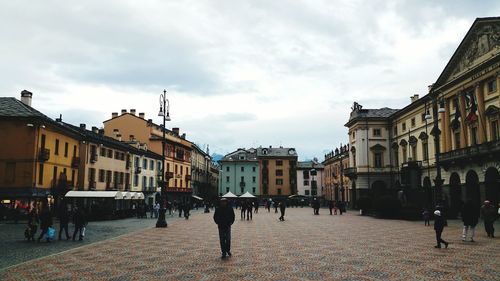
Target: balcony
<point>350,172</point>
<point>44,154</point>
<point>138,170</point>
<point>75,162</point>
<point>477,153</point>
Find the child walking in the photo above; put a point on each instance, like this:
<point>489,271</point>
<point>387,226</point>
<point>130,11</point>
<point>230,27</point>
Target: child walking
<point>439,223</point>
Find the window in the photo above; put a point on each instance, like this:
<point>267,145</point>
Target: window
<point>354,159</point>
<point>227,169</point>
<point>353,134</point>
<point>306,182</point>
<point>253,190</point>
<point>492,86</point>
<point>42,141</point>
<point>151,182</point>
<point>377,133</point>
<point>227,189</point>
<point>425,150</point>
<point>254,179</point>
<point>405,154</point>
<point>413,122</point>
<point>110,153</point>
<point>377,159</point>
<point>54,176</point>
<point>422,118</point>
<point>158,166</point>
<point>136,180</point>
<point>242,169</point>
<point>396,156</point>
<point>117,155</point>
<point>242,179</point>
<point>457,139</point>
<point>494,130</point>
<point>101,175</point>
<point>473,135</point>
<point>144,181</point>
<point>403,126</point>
<point>279,191</point>
<point>306,192</point>
<point>145,164</point>
<point>279,173</point>
<point>279,181</point>
<point>56,149</point>
<point>254,169</point>
<point>395,130</point>
<point>227,179</point>
<point>279,162</point>
<point>306,174</point>
<point>103,151</point>
<point>40,174</point>
<point>65,149</point>
<point>242,190</point>
<point>414,152</point>
<point>74,150</point>
<point>175,169</point>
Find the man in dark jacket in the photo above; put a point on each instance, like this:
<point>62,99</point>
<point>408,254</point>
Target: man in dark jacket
<point>470,217</point>
<point>63,220</point>
<point>224,218</point>
<point>45,222</point>
<point>282,210</point>
<point>489,213</point>
<point>439,224</point>
<point>80,221</point>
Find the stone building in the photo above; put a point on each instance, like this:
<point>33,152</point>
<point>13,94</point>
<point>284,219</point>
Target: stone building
<point>337,184</point>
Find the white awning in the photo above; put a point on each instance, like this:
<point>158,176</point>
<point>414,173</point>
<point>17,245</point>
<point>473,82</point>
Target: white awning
<point>229,195</point>
<point>139,196</point>
<point>94,194</point>
<point>247,195</point>
<point>127,195</point>
<point>196,197</point>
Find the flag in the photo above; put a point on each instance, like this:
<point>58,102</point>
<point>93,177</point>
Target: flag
<point>472,116</point>
<point>455,124</point>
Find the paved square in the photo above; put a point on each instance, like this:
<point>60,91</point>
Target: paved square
<point>304,247</point>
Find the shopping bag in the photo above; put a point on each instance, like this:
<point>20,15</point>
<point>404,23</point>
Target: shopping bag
<point>51,233</point>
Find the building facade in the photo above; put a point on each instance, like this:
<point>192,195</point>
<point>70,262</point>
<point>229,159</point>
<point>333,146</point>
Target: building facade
<point>201,163</point>
<point>337,184</point>
<point>443,147</point>
<point>277,171</point>
<point>239,172</point>
<point>310,178</point>
<point>177,149</point>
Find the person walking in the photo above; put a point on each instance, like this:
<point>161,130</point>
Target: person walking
<point>79,220</point>
<point>439,224</point>
<point>316,206</point>
<point>249,207</point>
<point>426,215</point>
<point>341,207</point>
<point>63,220</point>
<point>187,209</point>
<point>470,217</point>
<point>256,206</point>
<point>242,209</point>
<point>45,222</point>
<point>268,206</point>
<point>275,207</point>
<point>32,224</point>
<point>489,214</point>
<point>330,206</point>
<point>180,207</point>
<point>282,205</point>
<point>224,218</point>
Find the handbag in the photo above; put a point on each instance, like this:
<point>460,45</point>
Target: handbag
<point>51,233</point>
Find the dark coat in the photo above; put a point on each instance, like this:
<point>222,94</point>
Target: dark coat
<point>45,219</point>
<point>470,214</point>
<point>224,216</point>
<point>79,218</point>
<point>489,213</point>
<point>63,215</point>
<point>439,223</point>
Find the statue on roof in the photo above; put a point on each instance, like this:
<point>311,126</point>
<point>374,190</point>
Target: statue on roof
<point>356,106</point>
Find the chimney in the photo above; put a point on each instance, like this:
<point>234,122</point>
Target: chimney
<point>414,98</point>
<point>183,136</point>
<point>132,111</point>
<point>114,114</point>
<point>119,137</point>
<point>124,111</point>
<point>83,126</point>
<point>26,97</point>
<point>95,130</point>
<point>59,119</point>
<point>141,115</point>
<point>175,130</point>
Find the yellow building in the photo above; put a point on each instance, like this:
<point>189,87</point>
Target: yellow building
<point>278,171</point>
<point>38,156</point>
<point>177,149</point>
<point>337,184</point>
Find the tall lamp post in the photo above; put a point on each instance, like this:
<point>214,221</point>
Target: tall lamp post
<point>164,112</point>
<point>438,181</point>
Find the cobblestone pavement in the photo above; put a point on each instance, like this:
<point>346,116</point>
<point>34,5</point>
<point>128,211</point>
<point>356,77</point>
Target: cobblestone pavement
<point>304,247</point>
<point>15,249</point>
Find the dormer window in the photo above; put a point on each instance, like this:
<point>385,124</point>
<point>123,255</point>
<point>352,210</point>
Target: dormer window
<point>264,151</point>
<point>291,151</point>
<point>242,157</point>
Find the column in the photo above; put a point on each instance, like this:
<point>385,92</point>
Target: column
<point>446,128</point>
<point>463,127</point>
<point>479,93</point>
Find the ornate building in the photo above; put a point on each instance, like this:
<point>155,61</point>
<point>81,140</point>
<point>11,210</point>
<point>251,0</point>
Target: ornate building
<point>444,146</point>
<point>337,184</point>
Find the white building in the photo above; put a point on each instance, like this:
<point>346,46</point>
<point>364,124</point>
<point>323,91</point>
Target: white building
<point>310,178</point>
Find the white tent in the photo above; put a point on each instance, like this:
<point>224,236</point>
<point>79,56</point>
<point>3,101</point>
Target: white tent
<point>247,195</point>
<point>127,196</point>
<point>139,196</point>
<point>197,197</point>
<point>229,195</point>
<point>94,194</point>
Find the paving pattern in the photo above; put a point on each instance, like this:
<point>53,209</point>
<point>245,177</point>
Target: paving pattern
<point>304,247</point>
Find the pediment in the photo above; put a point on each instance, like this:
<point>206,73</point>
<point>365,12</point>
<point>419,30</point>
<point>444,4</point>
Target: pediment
<point>481,43</point>
<point>377,147</point>
<point>492,110</point>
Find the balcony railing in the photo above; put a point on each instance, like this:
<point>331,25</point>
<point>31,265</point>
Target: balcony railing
<point>474,151</point>
<point>44,154</point>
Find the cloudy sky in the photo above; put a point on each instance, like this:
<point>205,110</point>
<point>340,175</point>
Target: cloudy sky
<point>238,73</point>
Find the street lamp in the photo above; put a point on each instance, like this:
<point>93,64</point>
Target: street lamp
<point>437,107</point>
<point>164,112</point>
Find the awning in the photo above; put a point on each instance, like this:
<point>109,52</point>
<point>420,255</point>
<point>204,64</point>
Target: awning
<point>247,195</point>
<point>196,197</point>
<point>229,195</point>
<point>297,196</point>
<point>138,196</point>
<point>127,195</point>
<point>94,194</point>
